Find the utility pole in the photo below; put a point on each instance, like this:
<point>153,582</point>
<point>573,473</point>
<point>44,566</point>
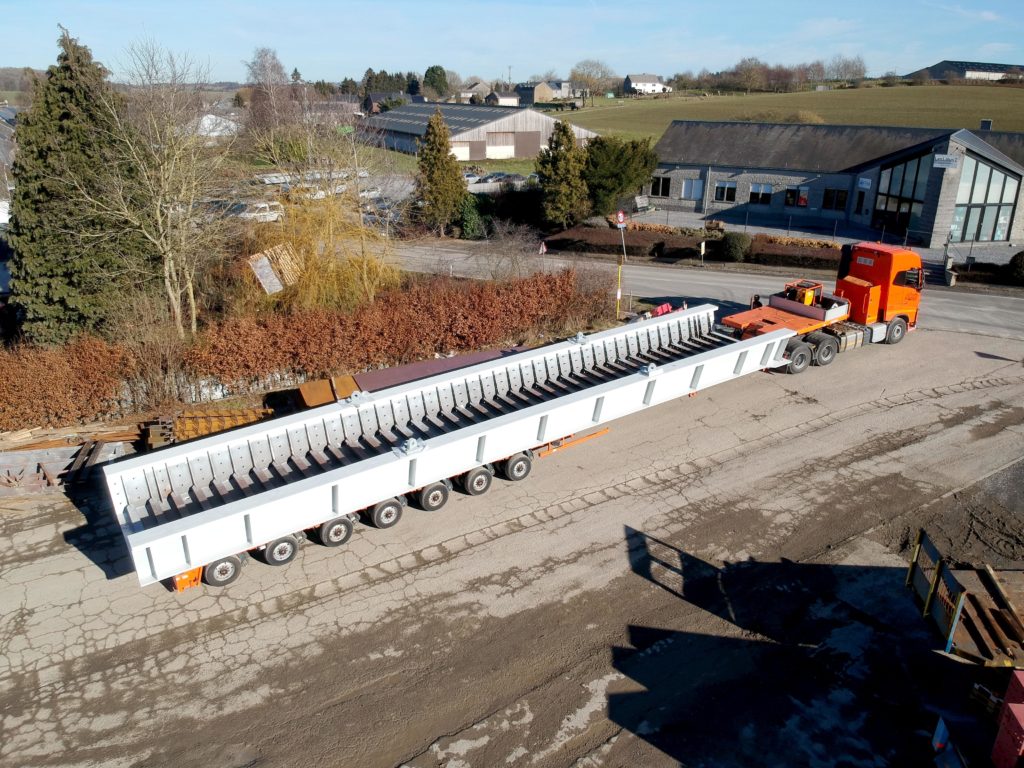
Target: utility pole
<point>510,77</point>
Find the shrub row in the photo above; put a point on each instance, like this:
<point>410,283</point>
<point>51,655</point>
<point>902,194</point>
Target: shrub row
<point>997,274</point>
<point>82,381</point>
<point>435,315</point>
<point>90,379</point>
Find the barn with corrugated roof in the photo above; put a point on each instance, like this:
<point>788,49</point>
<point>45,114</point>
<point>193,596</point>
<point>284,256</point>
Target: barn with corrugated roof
<point>477,132</point>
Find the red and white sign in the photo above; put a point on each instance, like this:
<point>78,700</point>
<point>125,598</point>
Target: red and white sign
<point>621,217</point>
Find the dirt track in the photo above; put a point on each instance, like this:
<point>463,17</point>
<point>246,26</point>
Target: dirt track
<point>717,582</point>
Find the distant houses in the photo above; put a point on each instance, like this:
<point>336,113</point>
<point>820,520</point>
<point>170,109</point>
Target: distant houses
<point>644,84</point>
<point>502,99</point>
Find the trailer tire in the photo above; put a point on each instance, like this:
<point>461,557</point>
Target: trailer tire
<point>516,467</point>
<point>432,497</point>
<point>825,350</point>
<point>335,532</point>
<point>800,357</point>
<point>281,551</point>
<point>477,481</point>
<point>387,513</point>
<point>222,572</point>
<point>897,330</point>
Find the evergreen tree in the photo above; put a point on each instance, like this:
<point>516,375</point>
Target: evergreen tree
<point>296,76</point>
<point>616,167</point>
<point>61,272</point>
<point>436,78</point>
<point>439,182</point>
<point>560,171</point>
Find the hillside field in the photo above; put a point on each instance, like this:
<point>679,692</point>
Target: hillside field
<point>939,106</point>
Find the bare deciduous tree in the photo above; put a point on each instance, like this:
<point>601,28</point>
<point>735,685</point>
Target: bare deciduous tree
<point>593,74</point>
<point>160,169</point>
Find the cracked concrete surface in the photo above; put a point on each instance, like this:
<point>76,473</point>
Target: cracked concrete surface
<point>513,629</point>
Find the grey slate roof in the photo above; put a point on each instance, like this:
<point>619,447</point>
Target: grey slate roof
<point>644,78</point>
<point>816,148</point>
<point>413,118</point>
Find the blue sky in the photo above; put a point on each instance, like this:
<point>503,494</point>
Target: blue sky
<point>332,40</point>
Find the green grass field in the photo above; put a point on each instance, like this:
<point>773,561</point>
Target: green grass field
<point>939,106</point>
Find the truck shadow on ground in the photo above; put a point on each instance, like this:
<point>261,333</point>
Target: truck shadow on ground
<point>816,664</point>
<point>98,538</point>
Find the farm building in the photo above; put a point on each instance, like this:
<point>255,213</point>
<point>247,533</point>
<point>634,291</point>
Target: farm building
<point>534,93</point>
<point>477,132</point>
<point>923,184</point>
<point>645,84</point>
<point>969,70</point>
<point>502,99</point>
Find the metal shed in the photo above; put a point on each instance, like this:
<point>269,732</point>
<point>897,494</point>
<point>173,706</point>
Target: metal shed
<point>477,132</point>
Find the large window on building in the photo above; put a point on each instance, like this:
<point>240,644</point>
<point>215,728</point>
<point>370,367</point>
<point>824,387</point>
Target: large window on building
<point>761,194</point>
<point>797,196</point>
<point>984,203</point>
<point>693,189</point>
<point>834,200</point>
<point>725,191</point>
<point>900,199</point>
<point>660,186</point>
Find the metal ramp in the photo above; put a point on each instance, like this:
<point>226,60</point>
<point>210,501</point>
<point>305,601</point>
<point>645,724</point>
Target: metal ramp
<point>269,472</point>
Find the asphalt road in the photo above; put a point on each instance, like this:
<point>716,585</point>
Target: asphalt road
<point>717,582</point>
<point>942,309</point>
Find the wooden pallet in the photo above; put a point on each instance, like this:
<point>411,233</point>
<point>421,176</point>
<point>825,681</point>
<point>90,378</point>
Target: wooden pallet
<point>973,608</point>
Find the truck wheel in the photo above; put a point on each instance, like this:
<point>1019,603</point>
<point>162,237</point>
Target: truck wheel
<point>432,497</point>
<point>825,351</point>
<point>897,330</point>
<point>799,357</point>
<point>476,481</point>
<point>222,572</point>
<point>516,467</point>
<point>281,551</point>
<point>335,532</point>
<point>386,513</point>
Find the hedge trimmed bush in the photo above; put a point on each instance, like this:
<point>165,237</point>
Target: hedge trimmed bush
<point>734,246</point>
<point>1015,269</point>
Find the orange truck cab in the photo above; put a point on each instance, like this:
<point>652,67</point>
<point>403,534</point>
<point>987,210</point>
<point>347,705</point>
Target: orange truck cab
<point>881,282</point>
<point>876,299</point>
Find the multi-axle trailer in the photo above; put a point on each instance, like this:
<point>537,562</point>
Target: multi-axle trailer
<point>193,510</point>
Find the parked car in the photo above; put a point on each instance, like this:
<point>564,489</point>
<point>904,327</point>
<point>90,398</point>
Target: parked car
<point>493,178</point>
<point>260,211</point>
<point>470,178</point>
<point>514,178</point>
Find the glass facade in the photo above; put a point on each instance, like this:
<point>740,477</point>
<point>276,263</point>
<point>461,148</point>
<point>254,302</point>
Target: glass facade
<point>901,191</point>
<point>984,203</point>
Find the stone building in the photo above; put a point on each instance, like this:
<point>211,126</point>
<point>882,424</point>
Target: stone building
<point>924,184</point>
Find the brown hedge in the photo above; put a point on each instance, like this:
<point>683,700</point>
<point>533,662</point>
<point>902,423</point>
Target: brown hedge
<point>42,387</point>
<point>90,379</point>
<point>434,315</point>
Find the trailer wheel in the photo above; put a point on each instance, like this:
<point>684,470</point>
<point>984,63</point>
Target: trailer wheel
<point>825,351</point>
<point>477,481</point>
<point>432,497</point>
<point>335,532</point>
<point>897,330</point>
<point>799,357</point>
<point>516,467</point>
<point>386,513</point>
<point>222,572</point>
<point>281,551</point>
